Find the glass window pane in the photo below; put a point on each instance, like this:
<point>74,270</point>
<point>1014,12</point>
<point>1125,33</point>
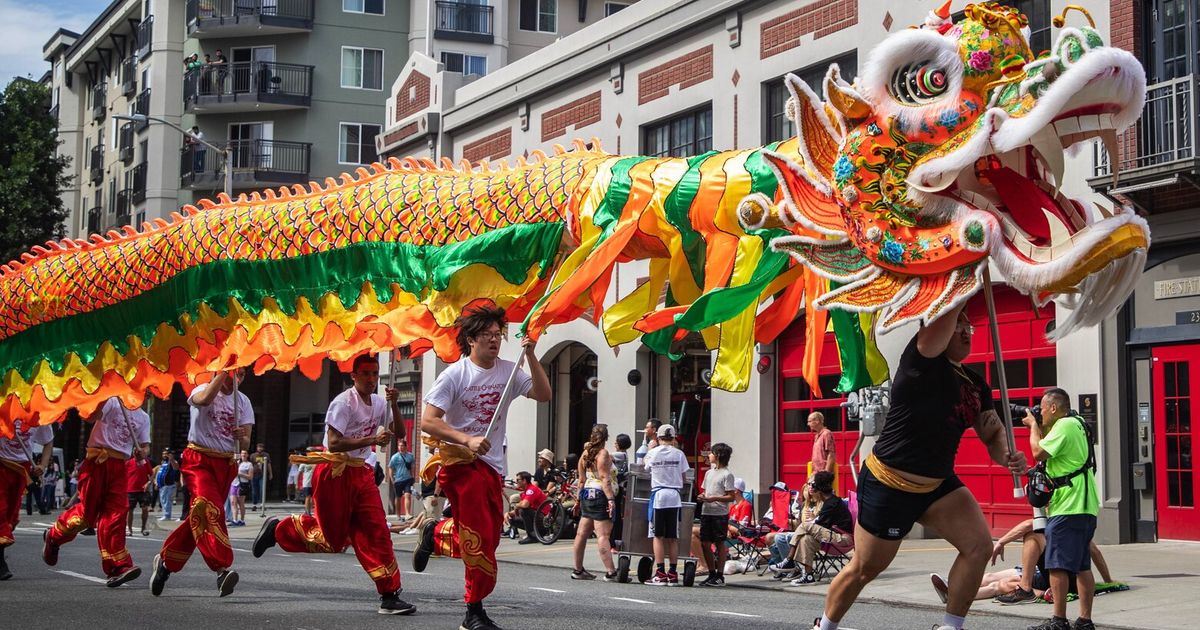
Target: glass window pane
<point>1185,415</point>
<point>703,132</point>
<point>352,5</point>
<point>351,67</point>
<point>1181,377</point>
<point>373,6</point>
<point>1016,371</point>
<point>794,388</point>
<point>979,368</point>
<point>1172,452</point>
<point>833,418</point>
<point>373,69</point>
<point>1187,496</point>
<point>795,420</point>
<point>367,144</point>
<point>1045,372</point>
<point>1172,415</point>
<point>828,382</point>
<point>1173,489</point>
<point>1169,378</point>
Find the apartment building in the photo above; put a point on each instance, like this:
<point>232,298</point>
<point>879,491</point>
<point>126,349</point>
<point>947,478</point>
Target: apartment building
<point>680,77</point>
<point>297,96</point>
<point>120,65</point>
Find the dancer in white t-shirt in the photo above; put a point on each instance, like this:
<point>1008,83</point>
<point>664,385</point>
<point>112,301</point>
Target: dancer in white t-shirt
<point>458,410</point>
<point>15,474</point>
<point>117,433</point>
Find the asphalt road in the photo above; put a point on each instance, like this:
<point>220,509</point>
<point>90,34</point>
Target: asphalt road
<point>313,592</point>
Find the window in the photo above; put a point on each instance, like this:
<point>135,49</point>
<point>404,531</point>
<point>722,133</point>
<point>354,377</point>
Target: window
<point>465,64</point>
<point>612,7</point>
<point>776,125</point>
<point>373,7</point>
<point>539,15</point>
<point>1038,12</point>
<point>683,135</point>
<point>362,68</point>
<point>356,143</point>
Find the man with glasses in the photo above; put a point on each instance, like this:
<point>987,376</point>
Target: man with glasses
<point>909,477</point>
<point>346,503</point>
<point>459,409</point>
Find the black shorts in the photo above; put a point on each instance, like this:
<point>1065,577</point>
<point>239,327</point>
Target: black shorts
<point>889,513</point>
<point>402,488</point>
<point>666,522</point>
<point>139,499</point>
<point>714,528</point>
<point>595,508</point>
<point>305,493</point>
<point>1067,539</point>
<point>243,488</point>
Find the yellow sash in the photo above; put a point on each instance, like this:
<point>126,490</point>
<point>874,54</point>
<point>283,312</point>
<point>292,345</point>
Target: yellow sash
<point>892,479</point>
<point>101,455</point>
<point>208,451</point>
<point>447,455</point>
<point>339,461</point>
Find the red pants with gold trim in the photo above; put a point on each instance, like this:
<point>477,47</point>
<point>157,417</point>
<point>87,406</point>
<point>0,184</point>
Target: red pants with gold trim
<point>347,510</point>
<point>12,490</point>
<point>207,479</point>
<point>102,504</point>
<point>474,491</point>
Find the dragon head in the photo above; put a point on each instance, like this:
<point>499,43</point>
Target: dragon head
<point>948,151</point>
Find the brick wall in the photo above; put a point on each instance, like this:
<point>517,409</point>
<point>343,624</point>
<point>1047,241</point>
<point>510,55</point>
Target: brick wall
<point>1125,31</point>
<point>579,113</point>
<point>822,18</point>
<point>413,96</point>
<point>490,147</point>
<point>685,71</point>
<point>404,132</point>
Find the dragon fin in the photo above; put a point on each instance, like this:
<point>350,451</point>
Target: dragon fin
<point>807,201</point>
<point>870,293</point>
<point>817,135</point>
<point>839,261</point>
<point>844,98</point>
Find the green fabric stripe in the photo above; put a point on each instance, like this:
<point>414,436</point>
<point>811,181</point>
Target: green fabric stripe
<point>609,213</point>
<point>677,207</point>
<point>852,349</point>
<point>723,304</point>
<point>762,177</point>
<point>511,251</point>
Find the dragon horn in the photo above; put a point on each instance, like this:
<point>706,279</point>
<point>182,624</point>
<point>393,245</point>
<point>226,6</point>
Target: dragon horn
<point>944,10</point>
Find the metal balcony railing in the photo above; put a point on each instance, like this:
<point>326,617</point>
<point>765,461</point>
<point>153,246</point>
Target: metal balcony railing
<point>458,19</point>
<point>137,182</point>
<point>99,101</point>
<point>204,15</point>
<point>129,76</point>
<point>145,36</point>
<point>1165,134</point>
<point>252,161</point>
<point>125,142</point>
<point>94,216</point>
<point>96,163</point>
<point>250,81</point>
<point>123,205</point>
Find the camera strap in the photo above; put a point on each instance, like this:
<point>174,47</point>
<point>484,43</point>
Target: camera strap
<point>1090,462</point>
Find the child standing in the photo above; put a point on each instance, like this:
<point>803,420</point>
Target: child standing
<point>718,493</point>
<point>667,466</point>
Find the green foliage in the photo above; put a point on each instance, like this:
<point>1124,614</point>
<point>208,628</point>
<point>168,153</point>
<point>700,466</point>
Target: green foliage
<point>31,172</point>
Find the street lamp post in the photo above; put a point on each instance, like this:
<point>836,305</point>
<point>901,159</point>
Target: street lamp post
<point>226,152</point>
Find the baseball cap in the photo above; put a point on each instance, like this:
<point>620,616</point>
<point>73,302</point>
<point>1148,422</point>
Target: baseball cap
<point>740,484</point>
<point>666,431</point>
<point>779,485</point>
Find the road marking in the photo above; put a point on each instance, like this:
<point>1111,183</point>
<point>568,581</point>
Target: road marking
<point>284,555</point>
<point>82,576</point>
<point>42,524</point>
<point>548,590</point>
<point>317,560</point>
<point>630,599</point>
<point>732,614</point>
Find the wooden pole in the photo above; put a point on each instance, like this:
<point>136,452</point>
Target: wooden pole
<point>1006,410</point>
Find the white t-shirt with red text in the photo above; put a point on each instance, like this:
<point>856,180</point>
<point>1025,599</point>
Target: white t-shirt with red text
<point>112,428</point>
<point>354,418</point>
<point>34,438</point>
<point>212,426</point>
<point>470,394</point>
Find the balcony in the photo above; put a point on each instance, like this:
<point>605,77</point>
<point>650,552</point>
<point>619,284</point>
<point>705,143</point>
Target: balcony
<point>247,86</point>
<point>144,36</point>
<point>137,182</point>
<point>141,105</point>
<point>248,18</point>
<point>96,164</point>
<point>463,21</point>
<point>129,76</point>
<point>123,206</point>
<point>94,217</point>
<point>99,101</point>
<point>125,143</point>
<point>1158,167</point>
<point>255,163</point>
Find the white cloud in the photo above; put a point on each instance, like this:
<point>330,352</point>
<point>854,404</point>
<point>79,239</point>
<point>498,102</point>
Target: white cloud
<point>25,28</point>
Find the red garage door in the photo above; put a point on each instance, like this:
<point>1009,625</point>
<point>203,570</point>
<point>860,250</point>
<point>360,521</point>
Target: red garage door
<point>1030,367</point>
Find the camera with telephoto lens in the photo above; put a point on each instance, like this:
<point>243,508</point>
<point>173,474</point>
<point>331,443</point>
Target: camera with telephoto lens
<point>1019,411</point>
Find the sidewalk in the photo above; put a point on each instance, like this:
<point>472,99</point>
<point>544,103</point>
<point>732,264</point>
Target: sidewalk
<point>1164,577</point>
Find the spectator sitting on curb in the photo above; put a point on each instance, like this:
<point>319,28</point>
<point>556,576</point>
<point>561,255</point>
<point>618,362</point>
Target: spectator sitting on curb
<point>531,498</point>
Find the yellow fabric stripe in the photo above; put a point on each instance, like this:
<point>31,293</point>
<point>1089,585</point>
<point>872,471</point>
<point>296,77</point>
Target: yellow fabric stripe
<point>732,368</point>
<point>619,319</point>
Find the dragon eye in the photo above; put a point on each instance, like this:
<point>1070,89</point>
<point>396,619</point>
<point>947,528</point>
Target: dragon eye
<point>918,83</point>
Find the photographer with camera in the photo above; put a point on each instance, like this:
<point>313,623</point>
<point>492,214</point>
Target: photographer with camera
<point>1061,441</point>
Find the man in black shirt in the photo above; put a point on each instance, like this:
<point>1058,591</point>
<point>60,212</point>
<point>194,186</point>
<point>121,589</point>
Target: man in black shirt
<point>833,524</point>
<point>909,477</point>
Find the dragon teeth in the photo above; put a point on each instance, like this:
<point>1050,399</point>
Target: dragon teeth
<point>1050,150</point>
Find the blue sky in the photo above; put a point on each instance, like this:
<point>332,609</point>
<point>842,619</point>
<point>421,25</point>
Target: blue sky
<point>27,25</point>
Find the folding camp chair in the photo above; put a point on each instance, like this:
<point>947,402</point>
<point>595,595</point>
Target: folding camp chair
<point>832,557</point>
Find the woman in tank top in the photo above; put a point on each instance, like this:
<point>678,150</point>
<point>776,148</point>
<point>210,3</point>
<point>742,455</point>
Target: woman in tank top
<point>597,503</point>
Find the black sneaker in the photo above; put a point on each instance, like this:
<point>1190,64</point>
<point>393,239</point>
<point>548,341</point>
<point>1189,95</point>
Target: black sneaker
<point>1053,623</point>
<point>91,531</point>
<point>4,572</point>
<point>49,549</point>
<point>1019,596</point>
<point>391,604</point>
<point>608,577</point>
<point>787,566</point>
<point>132,573</point>
<point>477,619</point>
<point>226,580</point>
<point>582,575</point>
<point>1083,624</point>
<point>424,546</point>
<point>528,540</point>
<point>158,576</point>
<point>714,579</point>
<point>266,537</point>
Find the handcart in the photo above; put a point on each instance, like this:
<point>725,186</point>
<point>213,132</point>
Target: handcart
<point>636,529</point>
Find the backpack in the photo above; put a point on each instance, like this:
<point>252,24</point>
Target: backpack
<point>1041,486</point>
